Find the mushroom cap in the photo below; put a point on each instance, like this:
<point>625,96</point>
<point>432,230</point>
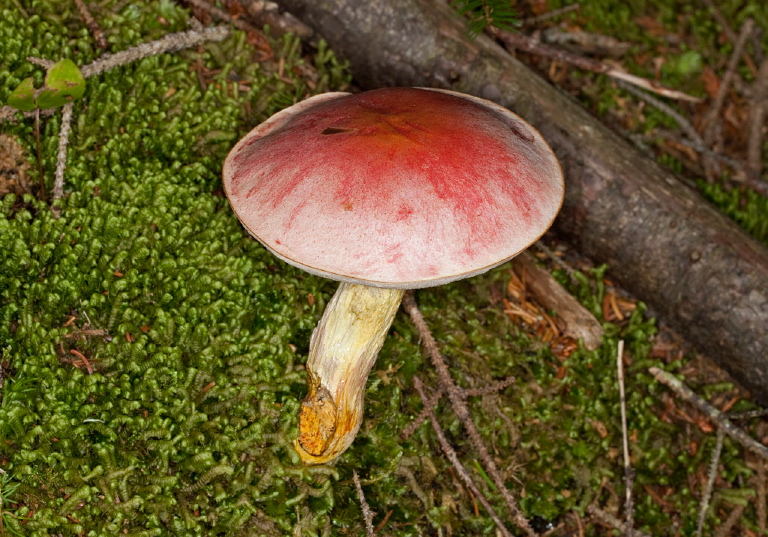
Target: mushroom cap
<point>397,187</point>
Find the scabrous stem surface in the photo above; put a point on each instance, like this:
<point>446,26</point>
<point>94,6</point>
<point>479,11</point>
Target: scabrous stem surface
<point>342,352</point>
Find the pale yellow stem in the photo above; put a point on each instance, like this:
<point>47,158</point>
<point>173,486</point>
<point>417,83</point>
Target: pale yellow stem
<point>342,352</point>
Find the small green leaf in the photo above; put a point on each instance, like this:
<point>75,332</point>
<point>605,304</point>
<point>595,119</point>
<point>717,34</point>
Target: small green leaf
<point>23,97</point>
<point>64,83</point>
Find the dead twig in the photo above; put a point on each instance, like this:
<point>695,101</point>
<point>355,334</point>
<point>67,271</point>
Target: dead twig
<point>456,463</point>
<point>41,62</point>
<point>681,121</point>
<point>698,147</point>
<point>730,34</point>
<point>367,514</point>
<point>695,139</point>
<point>730,522</point>
<point>532,21</point>
<point>92,25</point>
<point>721,21</point>
<point>711,476</point>
<point>713,413</point>
<point>169,43</point>
<point>461,410</point>
<point>61,158</point>
<point>613,522</point>
<point>757,112</point>
<point>713,129</point>
<point>2,526</point>
<point>266,13</point>
<point>41,176</point>
<point>533,46</point>
<point>761,497</point>
<point>220,14</point>
<point>554,258</point>
<point>83,359</point>
<point>9,112</point>
<point>628,473</point>
<point>430,405</point>
<point>493,387</point>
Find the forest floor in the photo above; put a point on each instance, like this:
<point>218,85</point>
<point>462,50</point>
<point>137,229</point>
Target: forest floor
<point>151,352</point>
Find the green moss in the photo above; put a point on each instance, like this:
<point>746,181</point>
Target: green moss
<point>185,426</point>
<point>747,208</point>
<point>684,37</point>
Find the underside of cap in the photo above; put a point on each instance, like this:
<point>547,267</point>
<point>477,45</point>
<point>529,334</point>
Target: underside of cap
<point>399,187</point>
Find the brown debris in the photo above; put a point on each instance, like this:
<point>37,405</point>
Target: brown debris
<point>462,411</point>
<point>573,321</point>
<point>757,114</point>
<point>13,167</point>
<point>91,23</point>
<point>263,12</point>
<point>256,37</point>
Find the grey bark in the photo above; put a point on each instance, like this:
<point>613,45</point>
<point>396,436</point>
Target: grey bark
<point>663,242</point>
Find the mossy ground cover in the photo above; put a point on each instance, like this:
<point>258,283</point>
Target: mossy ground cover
<point>682,45</point>
<point>181,418</point>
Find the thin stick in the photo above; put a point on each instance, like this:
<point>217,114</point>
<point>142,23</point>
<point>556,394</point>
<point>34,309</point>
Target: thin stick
<point>533,46</point>
<point>761,500</point>
<point>91,23</point>
<point>220,14</point>
<point>732,37</point>
<point>757,112</point>
<point>698,147</point>
<point>61,159</point>
<point>39,154</point>
<point>456,463</point>
<point>41,62</point>
<point>565,267</point>
<point>429,406</point>
<point>461,410</point>
<point>530,21</point>
<point>748,414</point>
<point>435,397</point>
<point>730,522</point>
<point>721,21</point>
<point>168,43</point>
<point>488,389</point>
<point>684,124</point>
<point>713,413</point>
<point>681,121</point>
<point>711,476</point>
<point>613,522</point>
<point>725,84</point>
<point>628,474</point>
<point>85,360</point>
<point>9,112</point>
<point>2,526</point>
<point>367,514</point>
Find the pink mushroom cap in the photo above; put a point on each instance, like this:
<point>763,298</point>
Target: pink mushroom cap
<point>398,187</point>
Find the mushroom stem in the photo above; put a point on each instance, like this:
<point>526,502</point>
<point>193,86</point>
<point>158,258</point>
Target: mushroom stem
<point>342,352</point>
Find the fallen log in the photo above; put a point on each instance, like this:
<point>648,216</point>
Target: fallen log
<point>663,242</point>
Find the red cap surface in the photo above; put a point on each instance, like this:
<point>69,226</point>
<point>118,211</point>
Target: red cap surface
<point>398,187</point>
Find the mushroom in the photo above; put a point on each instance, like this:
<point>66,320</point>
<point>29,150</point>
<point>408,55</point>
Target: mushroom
<point>386,190</point>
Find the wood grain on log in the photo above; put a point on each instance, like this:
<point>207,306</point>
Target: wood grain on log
<point>664,243</point>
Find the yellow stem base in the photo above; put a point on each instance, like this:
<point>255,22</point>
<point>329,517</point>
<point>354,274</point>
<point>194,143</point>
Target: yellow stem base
<point>342,352</point>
